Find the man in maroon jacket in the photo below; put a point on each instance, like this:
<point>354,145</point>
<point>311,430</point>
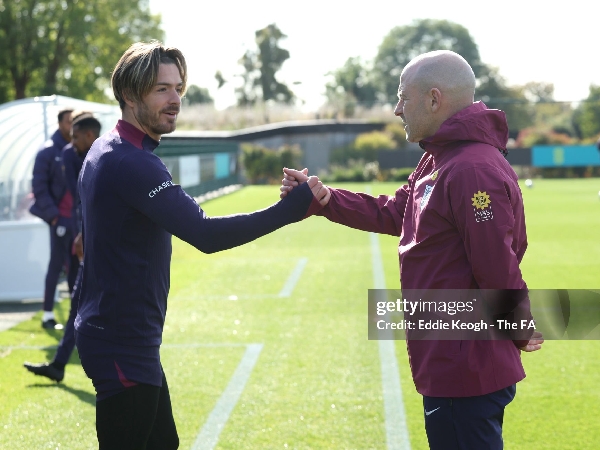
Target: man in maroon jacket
<point>461,225</point>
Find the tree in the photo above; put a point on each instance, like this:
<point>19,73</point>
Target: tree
<point>352,84</point>
<point>538,92</point>
<point>587,117</point>
<point>494,91</point>
<point>404,43</point>
<point>555,118</point>
<point>197,95</point>
<point>220,79</point>
<point>260,68</point>
<point>69,46</point>
<point>247,93</point>
<point>6,91</point>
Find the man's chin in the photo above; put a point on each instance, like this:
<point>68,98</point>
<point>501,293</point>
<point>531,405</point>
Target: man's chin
<point>166,128</point>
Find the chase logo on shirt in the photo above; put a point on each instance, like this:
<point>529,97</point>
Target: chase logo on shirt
<point>160,187</point>
<point>482,206</point>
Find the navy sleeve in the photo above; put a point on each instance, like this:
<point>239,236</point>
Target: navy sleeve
<point>148,187</point>
<point>44,206</point>
<point>70,169</point>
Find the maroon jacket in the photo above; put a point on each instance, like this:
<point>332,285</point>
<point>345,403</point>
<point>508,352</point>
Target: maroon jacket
<point>461,224</point>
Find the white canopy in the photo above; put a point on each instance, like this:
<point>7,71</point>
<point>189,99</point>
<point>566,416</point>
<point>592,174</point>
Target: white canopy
<point>24,126</point>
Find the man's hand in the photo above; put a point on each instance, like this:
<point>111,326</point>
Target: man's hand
<point>78,246</point>
<point>535,343</point>
<point>292,178</point>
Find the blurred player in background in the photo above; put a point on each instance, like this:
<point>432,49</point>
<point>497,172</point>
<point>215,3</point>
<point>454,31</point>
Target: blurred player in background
<point>85,130</point>
<point>53,203</point>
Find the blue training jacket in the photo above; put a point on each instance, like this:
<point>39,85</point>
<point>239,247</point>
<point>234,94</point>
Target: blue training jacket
<point>48,182</point>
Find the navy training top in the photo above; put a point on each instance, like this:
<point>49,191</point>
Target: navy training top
<point>130,209</point>
<point>48,182</point>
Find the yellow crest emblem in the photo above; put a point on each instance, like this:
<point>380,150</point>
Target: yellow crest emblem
<point>481,200</point>
<point>434,176</point>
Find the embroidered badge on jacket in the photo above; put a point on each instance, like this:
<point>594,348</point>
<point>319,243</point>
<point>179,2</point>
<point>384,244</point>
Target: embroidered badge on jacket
<point>482,206</point>
<point>426,195</point>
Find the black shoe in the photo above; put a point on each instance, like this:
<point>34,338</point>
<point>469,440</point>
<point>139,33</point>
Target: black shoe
<point>46,370</point>
<point>51,324</point>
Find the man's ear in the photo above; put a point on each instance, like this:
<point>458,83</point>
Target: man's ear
<point>435,97</point>
<point>127,99</point>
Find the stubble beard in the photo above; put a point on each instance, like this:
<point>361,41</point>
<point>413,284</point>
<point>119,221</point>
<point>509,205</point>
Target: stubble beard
<point>151,122</point>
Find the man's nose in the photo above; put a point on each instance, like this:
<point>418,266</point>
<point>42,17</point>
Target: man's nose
<point>398,109</point>
<point>175,98</point>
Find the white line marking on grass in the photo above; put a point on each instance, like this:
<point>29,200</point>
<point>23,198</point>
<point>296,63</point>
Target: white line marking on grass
<point>205,345</point>
<point>395,418</point>
<point>28,347</point>
<point>209,434</point>
<point>211,430</point>
<point>292,280</point>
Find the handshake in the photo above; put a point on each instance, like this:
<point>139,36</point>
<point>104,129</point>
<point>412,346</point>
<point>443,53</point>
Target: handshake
<point>292,178</point>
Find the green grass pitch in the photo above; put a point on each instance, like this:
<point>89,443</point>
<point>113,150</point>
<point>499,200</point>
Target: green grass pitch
<point>317,382</point>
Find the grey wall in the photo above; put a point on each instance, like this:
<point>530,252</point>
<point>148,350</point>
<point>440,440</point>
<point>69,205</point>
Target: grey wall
<point>316,138</point>
<point>316,146</point>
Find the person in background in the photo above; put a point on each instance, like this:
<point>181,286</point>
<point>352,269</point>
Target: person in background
<point>85,131</point>
<point>53,203</point>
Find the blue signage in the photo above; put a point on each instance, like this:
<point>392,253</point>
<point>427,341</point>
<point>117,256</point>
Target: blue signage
<point>565,156</point>
<point>222,165</point>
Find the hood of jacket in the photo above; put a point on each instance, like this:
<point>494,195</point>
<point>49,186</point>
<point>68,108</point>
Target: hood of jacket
<point>475,123</point>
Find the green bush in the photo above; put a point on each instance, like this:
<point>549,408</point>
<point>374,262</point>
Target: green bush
<point>400,174</point>
<point>264,165</point>
<point>397,133</point>
<point>344,173</point>
<point>532,136</point>
<point>355,171</point>
<point>365,147</point>
<point>358,171</point>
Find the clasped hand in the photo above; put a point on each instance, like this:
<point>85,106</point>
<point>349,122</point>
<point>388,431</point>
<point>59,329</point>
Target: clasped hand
<point>293,178</point>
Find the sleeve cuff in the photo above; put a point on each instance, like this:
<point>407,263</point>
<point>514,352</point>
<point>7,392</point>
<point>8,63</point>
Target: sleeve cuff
<point>313,208</point>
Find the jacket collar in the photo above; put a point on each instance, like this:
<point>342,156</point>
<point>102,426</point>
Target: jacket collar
<point>475,123</point>
<point>135,136</point>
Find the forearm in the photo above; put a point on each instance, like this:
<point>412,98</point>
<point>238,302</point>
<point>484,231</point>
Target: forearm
<point>363,212</point>
<point>213,234</point>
